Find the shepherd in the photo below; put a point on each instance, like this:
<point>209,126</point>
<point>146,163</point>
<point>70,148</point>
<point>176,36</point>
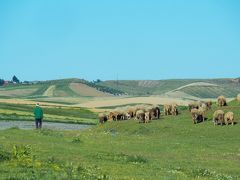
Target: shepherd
<point>38,113</point>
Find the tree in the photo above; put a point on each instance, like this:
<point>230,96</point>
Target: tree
<point>1,82</point>
<point>15,79</point>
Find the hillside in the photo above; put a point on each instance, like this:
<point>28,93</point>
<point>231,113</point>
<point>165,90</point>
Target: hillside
<point>196,88</point>
<point>54,88</point>
<point>169,148</point>
<point>75,91</point>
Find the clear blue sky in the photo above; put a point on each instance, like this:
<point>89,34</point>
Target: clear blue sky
<point>124,39</point>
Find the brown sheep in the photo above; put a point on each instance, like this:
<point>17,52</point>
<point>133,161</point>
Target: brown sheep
<point>167,109</point>
<point>218,117</point>
<point>154,112</point>
<point>222,101</point>
<point>174,109</point>
<point>157,112</point>
<point>229,117</point>
<point>102,117</point>
<point>197,115</point>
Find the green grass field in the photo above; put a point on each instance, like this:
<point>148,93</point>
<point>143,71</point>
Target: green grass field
<point>51,113</point>
<point>169,148</point>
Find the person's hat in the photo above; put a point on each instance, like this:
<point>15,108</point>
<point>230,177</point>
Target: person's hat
<point>37,104</point>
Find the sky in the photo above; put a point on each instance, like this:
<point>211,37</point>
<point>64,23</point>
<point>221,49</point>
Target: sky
<point>120,39</point>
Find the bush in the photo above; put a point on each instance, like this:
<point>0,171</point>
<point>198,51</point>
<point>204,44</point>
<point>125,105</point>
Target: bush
<point>4,155</point>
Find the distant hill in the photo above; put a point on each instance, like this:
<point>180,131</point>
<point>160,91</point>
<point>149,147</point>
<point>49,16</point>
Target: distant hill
<point>179,88</point>
<point>200,88</point>
<point>56,88</point>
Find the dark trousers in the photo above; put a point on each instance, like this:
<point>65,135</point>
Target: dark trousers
<point>38,123</point>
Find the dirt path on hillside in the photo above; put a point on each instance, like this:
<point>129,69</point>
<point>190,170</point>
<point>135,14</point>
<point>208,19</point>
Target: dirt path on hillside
<point>49,91</point>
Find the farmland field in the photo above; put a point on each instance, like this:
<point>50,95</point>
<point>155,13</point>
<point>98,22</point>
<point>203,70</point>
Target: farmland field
<point>169,148</point>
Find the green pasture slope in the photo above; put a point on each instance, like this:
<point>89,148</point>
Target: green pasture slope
<point>62,88</point>
<point>51,113</point>
<point>226,87</point>
<point>169,148</point>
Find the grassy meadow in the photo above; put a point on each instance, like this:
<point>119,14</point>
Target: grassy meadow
<point>169,148</point>
<point>51,113</point>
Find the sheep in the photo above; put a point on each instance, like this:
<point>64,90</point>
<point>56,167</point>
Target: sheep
<point>222,101</point>
<point>140,115</point>
<point>132,111</point>
<point>116,115</point>
<point>112,116</point>
<point>218,117</point>
<point>206,105</point>
<point>174,110</point>
<point>167,109</point>
<point>102,118</point>
<point>154,112</point>
<point>197,115</point>
<point>203,107</point>
<point>229,117</point>
<point>209,105</point>
<point>127,116</point>
<point>147,117</point>
<point>193,105</point>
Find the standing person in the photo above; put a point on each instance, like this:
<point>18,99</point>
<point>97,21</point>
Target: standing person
<point>38,113</point>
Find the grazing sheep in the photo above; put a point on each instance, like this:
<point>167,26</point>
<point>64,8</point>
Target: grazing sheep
<point>209,105</point>
<point>127,116</point>
<point>116,115</point>
<point>157,112</point>
<point>113,116</point>
<point>147,117</point>
<point>218,117</point>
<point>222,101</point>
<point>193,105</point>
<point>229,118</point>
<point>140,115</point>
<point>102,117</point>
<point>197,115</point>
<point>132,111</point>
<point>174,109</point>
<point>206,105</point>
<point>203,107</point>
<point>154,112</point>
<point>167,109</point>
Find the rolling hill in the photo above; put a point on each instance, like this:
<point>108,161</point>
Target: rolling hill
<point>73,91</point>
<point>54,88</point>
<point>198,88</point>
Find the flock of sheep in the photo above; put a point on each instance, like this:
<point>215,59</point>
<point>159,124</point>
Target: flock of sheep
<point>141,113</point>
<point>146,113</point>
<point>198,110</point>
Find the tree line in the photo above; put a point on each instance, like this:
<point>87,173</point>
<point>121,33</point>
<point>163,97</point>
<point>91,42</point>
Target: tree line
<point>14,80</point>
